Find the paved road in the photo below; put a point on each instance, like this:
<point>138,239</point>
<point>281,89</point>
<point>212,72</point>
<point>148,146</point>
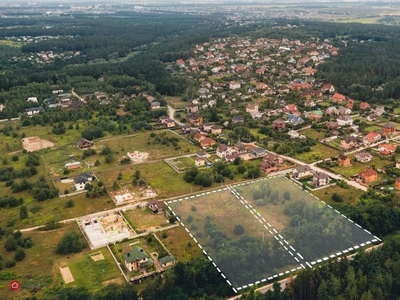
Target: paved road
<point>332,175</point>
<point>77,96</point>
<point>171,115</point>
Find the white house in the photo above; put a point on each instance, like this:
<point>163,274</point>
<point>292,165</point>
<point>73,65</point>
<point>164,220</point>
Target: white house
<point>344,121</point>
<point>81,180</point>
<point>33,110</point>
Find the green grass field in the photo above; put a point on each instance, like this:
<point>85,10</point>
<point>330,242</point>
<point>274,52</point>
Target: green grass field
<point>89,273</point>
<point>318,152</point>
<point>313,134</point>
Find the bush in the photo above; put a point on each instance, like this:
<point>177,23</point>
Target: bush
<point>11,243</point>
<point>11,263</point>
<point>193,208</point>
<point>71,242</point>
<point>337,198</point>
<point>23,212</point>
<point>70,203</point>
<point>164,235</point>
<point>238,230</point>
<point>19,254</point>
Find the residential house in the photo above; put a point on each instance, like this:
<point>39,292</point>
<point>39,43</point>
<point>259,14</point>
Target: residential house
<point>199,136</point>
<point>295,120</point>
<point>388,129</point>
<point>350,103</point>
<point>239,148</point>
<point>379,111</point>
<point>85,144</point>
<point>348,142</point>
<point>32,99</point>
<point>206,143</point>
<point>397,184</point>
<point>320,179</point>
<point>195,119</point>
<point>155,105</point>
<point>268,167</point>
<point>332,125</point>
<point>81,180</point>
<point>364,105</point>
<point>372,117</point>
<point>237,120</point>
<point>232,157</point>
<point>344,110</point>
<point>207,126</point>
<point>328,88</point>
<point>155,206</point>
<point>234,85</point>
<point>33,110</point>
<point>338,98</point>
<point>223,150</point>
<point>192,108</point>
<point>363,156</point>
<point>278,124</point>
<point>199,161</point>
<point>136,259</point>
<point>332,111</point>
<point>274,159</point>
<point>293,134</point>
<point>252,108</point>
<point>302,171</point>
<point>310,103</point>
<point>345,121</point>
<point>371,137</point>
<point>216,129</point>
<point>344,160</point>
<point>167,261</point>
<point>73,165</point>
<point>169,123</point>
<point>314,115</point>
<point>279,102</point>
<point>292,109</point>
<point>386,149</point>
<point>368,176</point>
<point>258,152</point>
<point>398,164</point>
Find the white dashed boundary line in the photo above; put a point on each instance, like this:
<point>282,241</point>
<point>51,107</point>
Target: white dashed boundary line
<point>268,226</point>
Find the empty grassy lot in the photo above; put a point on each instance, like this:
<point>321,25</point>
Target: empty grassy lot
<point>318,152</point>
<point>142,219</point>
<point>180,244</point>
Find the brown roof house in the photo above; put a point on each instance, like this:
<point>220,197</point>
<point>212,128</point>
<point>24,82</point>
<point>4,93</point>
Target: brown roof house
<point>368,176</point>
<point>363,156</point>
<point>397,184</point>
<point>156,206</point>
<point>344,160</point>
<point>85,144</point>
<point>388,129</point>
<point>278,124</point>
<point>348,142</point>
<point>302,171</point>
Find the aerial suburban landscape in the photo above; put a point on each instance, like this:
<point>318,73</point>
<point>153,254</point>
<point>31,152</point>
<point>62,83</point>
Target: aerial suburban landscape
<point>157,150</point>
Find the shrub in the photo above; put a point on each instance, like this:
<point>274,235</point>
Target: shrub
<point>164,235</point>
<point>238,230</point>
<point>19,254</point>
<point>11,263</point>
<point>70,203</point>
<point>71,242</point>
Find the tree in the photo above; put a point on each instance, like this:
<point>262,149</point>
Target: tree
<point>19,254</point>
<point>23,212</point>
<point>11,243</point>
<point>286,195</point>
<point>238,230</point>
<point>71,242</point>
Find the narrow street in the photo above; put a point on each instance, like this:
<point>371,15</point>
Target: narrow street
<point>171,115</point>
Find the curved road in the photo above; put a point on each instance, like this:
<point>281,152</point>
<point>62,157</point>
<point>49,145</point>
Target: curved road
<point>171,115</point>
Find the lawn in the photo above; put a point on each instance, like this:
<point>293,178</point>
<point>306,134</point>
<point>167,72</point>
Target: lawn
<point>180,244</point>
<point>318,152</point>
<point>89,273</point>
<point>144,219</point>
<point>313,134</point>
<point>176,102</point>
<point>55,209</point>
<point>36,269</point>
<point>372,128</point>
<point>349,196</point>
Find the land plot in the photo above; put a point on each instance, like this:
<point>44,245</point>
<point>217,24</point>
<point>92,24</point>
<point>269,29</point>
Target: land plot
<point>318,152</point>
<point>144,219</point>
<point>180,244</point>
<point>91,273</point>
<point>313,228</point>
<point>357,167</point>
<point>313,134</point>
<point>235,240</point>
<point>158,146</point>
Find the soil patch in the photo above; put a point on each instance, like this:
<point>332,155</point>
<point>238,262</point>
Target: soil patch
<point>35,143</point>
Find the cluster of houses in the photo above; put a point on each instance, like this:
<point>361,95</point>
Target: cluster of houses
<point>318,179</point>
